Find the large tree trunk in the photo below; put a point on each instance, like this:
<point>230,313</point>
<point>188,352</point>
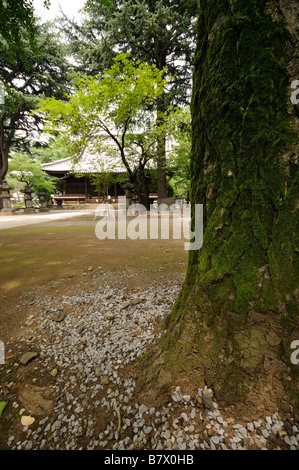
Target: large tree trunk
<point>236,317</point>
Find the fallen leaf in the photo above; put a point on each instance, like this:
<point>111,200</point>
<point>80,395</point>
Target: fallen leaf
<point>135,333</point>
<point>9,356</point>
<point>13,387</point>
<point>27,420</point>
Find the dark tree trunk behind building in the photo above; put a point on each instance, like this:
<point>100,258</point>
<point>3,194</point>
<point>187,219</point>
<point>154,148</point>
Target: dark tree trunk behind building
<point>161,152</point>
<point>237,316</point>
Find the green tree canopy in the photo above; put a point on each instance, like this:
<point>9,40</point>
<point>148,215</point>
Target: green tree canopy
<point>55,149</point>
<point>16,16</point>
<point>24,169</point>
<point>160,33</point>
<point>45,74</point>
<point>178,131</point>
<point>115,107</point>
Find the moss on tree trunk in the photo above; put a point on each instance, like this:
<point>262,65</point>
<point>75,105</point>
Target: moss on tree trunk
<point>236,318</point>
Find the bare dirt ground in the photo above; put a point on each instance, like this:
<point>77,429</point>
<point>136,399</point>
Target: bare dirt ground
<point>64,257</point>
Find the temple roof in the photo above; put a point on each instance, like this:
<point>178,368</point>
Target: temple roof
<point>92,164</point>
<point>86,165</point>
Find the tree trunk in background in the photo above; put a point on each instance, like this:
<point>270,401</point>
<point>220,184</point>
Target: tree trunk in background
<point>234,322</point>
<point>4,151</point>
<point>161,152</point>
<point>3,166</point>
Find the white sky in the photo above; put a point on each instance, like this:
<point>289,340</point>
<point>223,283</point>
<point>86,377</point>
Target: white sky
<point>69,7</point>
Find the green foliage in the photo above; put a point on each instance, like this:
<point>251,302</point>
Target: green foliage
<point>24,169</point>
<point>159,33</point>
<point>111,113</point>
<point>106,3</point>
<point>2,406</point>
<point>15,17</point>
<point>56,149</point>
<point>45,74</point>
<point>116,100</point>
<point>102,182</point>
<point>114,104</point>
<point>178,131</point>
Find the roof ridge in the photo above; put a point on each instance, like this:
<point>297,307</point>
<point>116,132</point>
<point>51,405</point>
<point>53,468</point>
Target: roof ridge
<point>56,161</point>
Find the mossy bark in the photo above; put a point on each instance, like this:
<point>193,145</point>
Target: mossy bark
<point>237,315</point>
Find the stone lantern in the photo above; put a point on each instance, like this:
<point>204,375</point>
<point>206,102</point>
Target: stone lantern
<point>43,203</point>
<point>5,202</point>
<point>28,199</point>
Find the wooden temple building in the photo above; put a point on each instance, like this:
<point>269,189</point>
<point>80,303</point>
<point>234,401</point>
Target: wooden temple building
<point>77,179</point>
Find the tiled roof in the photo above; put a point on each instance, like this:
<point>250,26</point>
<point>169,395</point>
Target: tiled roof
<point>86,165</point>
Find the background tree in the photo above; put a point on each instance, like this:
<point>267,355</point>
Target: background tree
<point>53,149</point>
<point>178,131</point>
<point>17,16</point>
<point>45,74</point>
<point>234,323</point>
<point>102,182</point>
<point>158,32</point>
<point>26,171</point>
<point>109,113</point>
